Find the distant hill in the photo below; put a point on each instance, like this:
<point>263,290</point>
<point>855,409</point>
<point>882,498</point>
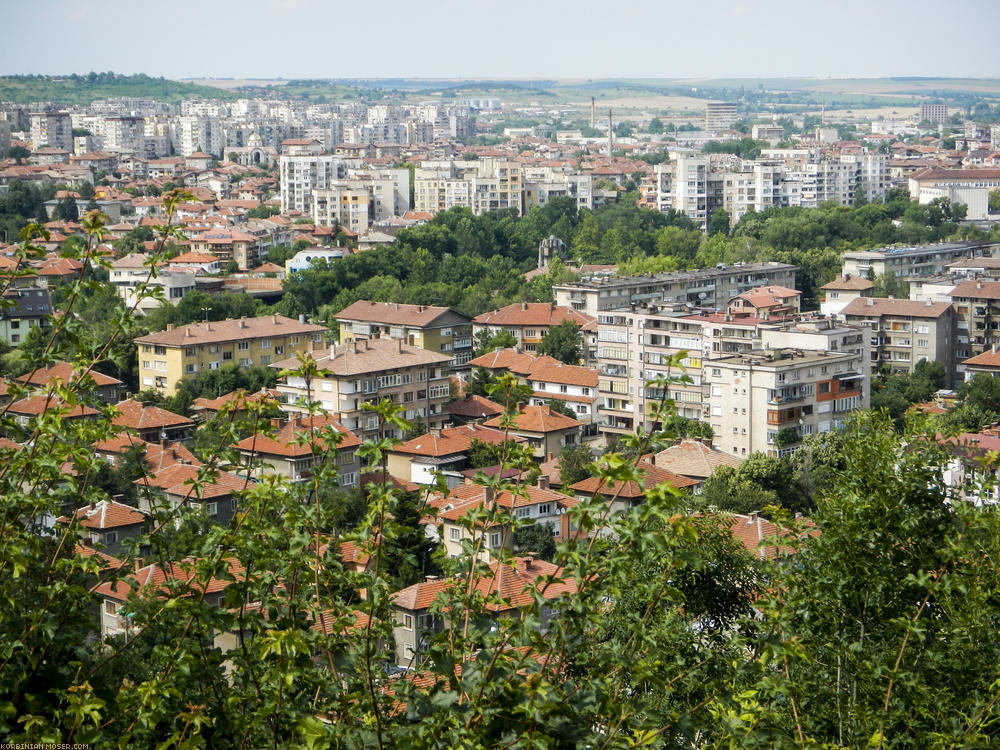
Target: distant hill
<point>83,89</point>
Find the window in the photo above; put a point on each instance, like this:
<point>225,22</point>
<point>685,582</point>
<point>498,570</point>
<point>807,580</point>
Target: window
<point>495,539</point>
<point>110,608</point>
<point>544,509</point>
<point>213,349</point>
<point>407,622</point>
<point>522,512</point>
<point>243,346</point>
<point>245,362</point>
<point>265,359</point>
<point>265,343</point>
<point>563,389</point>
<point>349,479</point>
<point>190,351</point>
<point>212,509</point>
<point>227,356</point>
<point>111,537</point>
<point>279,350</point>
<point>455,534</point>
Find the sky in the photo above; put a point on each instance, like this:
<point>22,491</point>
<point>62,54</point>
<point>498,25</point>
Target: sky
<point>510,39</point>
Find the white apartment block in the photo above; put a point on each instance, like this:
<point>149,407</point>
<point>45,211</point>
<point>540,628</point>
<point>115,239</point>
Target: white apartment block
<point>768,401</point>
<point>301,175</point>
<point>342,205</point>
<point>194,133</point>
<point>912,261</point>
<point>51,128</point>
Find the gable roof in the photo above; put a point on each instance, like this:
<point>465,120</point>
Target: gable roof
<point>849,283</point>
<point>451,440</point>
<point>875,307</point>
<point>230,330</point>
<point>538,419</point>
<point>463,498</point>
<point>157,578</point>
<point>285,443</point>
<point>67,373</point>
<point>511,584</point>
<point>107,514</point>
<point>368,356</point>
<point>976,290</point>
<point>139,416</point>
<point>473,406</point>
<point>652,476</point>
<point>392,313</point>
<point>692,458</point>
<point>533,314</point>
<point>179,479</point>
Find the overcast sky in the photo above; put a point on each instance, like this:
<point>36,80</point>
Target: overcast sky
<point>512,38</point>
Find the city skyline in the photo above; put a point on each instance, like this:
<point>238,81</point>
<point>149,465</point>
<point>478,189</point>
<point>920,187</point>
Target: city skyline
<point>287,39</point>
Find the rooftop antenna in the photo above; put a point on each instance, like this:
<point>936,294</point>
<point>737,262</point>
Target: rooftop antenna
<point>593,113</point>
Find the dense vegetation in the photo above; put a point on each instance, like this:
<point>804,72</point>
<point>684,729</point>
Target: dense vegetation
<point>79,89</point>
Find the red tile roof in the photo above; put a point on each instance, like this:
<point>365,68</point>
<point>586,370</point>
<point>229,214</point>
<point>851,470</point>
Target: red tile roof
<point>107,514</point>
<point>391,313</point>
<point>65,372</point>
<point>533,314</point>
<point>138,416</point>
<point>285,440</point>
<point>230,330</point>
<point>875,307</point>
<point>156,579</point>
<point>653,476</point>
<point>180,479</point>
<point>452,440</point>
<point>474,407</point>
<point>539,419</point>
<point>463,498</point>
<point>976,290</point>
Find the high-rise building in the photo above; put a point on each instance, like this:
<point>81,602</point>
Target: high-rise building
<point>934,112</point>
<point>720,116</point>
<point>51,128</point>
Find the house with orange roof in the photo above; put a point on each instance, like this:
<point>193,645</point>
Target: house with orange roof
<point>437,329</point>
<point>184,484</point>
<point>445,521</point>
<point>547,432</point>
<point>287,449</point>
<point>103,386</point>
<point>156,455</point>
<point>206,262</point>
<point>528,322</point>
<point>226,245</point>
<point>26,410</point>
<point>108,525</point>
<point>470,408</point>
<point>507,587</point>
<point>766,302</point>
<point>236,403</point>
<point>184,578</point>
<point>440,450</point>
<point>843,290</point>
<point>623,496</point>
<point>151,423</point>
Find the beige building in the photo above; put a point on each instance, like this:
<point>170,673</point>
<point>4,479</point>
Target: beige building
<point>905,332</point>
<point>528,322</point>
<point>841,291</point>
<point>767,401</point>
<point>437,329</point>
<point>353,374</point>
<point>545,430</point>
<point>283,453</point>
<point>167,357</point>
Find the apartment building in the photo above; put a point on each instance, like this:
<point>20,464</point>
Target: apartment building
<point>301,175</point>
<point>913,261</point>
<point>768,400</point>
<point>131,277</point>
<point>976,305</point>
<point>933,112</point>
<point>369,370</point>
<point>838,293</point>
<point>287,450</point>
<point>22,309</point>
<point>969,186</point>
<point>51,128</point>
<point>437,329</point>
<point>905,332</point>
<point>720,116</point>
<point>704,287</point>
<point>342,205</point>
<point>165,358</point>
<point>228,244</point>
<point>482,185</point>
<point>688,185</point>
<point>528,322</point>
<point>756,187</point>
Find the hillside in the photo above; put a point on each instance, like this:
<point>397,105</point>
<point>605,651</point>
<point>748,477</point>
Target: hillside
<point>78,89</point>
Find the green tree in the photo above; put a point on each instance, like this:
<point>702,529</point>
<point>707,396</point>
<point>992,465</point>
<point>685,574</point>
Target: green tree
<point>655,126</point>
<point>562,342</point>
<point>573,463</point>
<point>560,407</point>
<point>536,540</point>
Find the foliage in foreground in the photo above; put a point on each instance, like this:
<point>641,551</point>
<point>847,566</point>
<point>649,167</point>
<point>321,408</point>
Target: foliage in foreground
<point>880,631</point>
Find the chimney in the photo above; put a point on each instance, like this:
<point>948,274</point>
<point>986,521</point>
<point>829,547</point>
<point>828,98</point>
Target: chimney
<point>274,318</point>
<point>543,482</point>
<point>170,326</point>
<point>489,494</point>
<point>524,305</point>
<point>528,562</point>
<point>302,318</point>
<point>399,345</point>
<point>752,517</point>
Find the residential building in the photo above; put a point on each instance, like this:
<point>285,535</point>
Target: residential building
<point>547,432</point>
<point>905,332</point>
<point>528,322</point>
<point>510,585</point>
<point>838,293</point>
<point>624,496</point>
<point>768,400</point>
<point>987,363</point>
<point>23,308</point>
<point>109,526</point>
<point>471,409</point>
<point>300,175</point>
<point>704,287</point>
<point>227,244</point>
<point>51,128</point>
<point>443,450</point>
<point>283,452</point>
<point>720,116</point>
<point>437,329</point>
<point>173,579</point>
<point>913,261</point>
<point>694,459</point>
<point>104,387</point>
<point>369,370</point>
<point>151,423</point>
<point>131,276</point>
<point>977,318</point>
<point>183,484</point>
<point>971,187</point>
<point>935,113</point>
<point>766,302</point>
<point>167,357</point>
